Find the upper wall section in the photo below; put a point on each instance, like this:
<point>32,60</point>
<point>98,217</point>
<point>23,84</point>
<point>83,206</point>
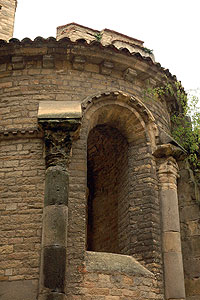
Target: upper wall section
<point>105,37</point>
<point>7,17</point>
<point>73,69</point>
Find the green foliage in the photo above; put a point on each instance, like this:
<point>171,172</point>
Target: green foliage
<point>185,120</point>
<point>98,36</point>
<point>147,50</point>
<point>186,126</point>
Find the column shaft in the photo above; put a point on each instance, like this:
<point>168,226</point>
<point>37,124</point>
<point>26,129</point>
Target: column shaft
<point>172,253</point>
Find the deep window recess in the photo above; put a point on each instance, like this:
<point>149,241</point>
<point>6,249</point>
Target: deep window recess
<point>107,180</point>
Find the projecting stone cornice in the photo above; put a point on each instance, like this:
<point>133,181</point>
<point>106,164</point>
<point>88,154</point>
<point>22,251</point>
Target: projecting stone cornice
<point>106,60</point>
<point>21,133</point>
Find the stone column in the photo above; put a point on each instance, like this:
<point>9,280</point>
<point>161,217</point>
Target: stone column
<point>58,136</point>
<point>172,253</point>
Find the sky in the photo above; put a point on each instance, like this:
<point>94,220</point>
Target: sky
<point>169,27</point>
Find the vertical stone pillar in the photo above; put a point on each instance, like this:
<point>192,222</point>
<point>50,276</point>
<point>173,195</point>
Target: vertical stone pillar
<point>58,136</point>
<point>172,253</point>
<point>7,18</point>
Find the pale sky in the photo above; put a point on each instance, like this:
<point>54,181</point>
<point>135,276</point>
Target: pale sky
<point>170,27</point>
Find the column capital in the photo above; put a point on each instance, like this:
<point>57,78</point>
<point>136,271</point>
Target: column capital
<point>60,121</point>
<point>166,150</point>
<point>167,170</point>
<point>58,137</point>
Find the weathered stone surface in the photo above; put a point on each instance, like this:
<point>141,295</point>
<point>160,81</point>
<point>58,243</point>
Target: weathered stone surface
<point>174,279</point>
<point>54,267</point>
<point>193,287</point>
<point>7,11</point>
<point>171,242</point>
<point>56,186</point>
<point>59,110</point>
<point>55,296</point>
<point>55,225</point>
<point>18,290</point>
<point>110,262</point>
<point>170,213</point>
<point>43,71</point>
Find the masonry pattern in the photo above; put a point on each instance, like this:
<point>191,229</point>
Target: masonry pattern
<point>7,17</point>
<point>67,178</point>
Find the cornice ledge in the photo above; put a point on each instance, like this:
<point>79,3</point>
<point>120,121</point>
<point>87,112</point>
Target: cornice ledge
<point>21,133</point>
<point>166,150</point>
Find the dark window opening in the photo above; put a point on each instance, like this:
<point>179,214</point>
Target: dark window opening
<point>107,181</point>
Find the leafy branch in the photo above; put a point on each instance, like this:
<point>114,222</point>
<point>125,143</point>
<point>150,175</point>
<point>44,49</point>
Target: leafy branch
<point>185,121</point>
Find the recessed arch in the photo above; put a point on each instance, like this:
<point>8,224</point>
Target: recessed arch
<point>117,113</point>
<point>123,111</point>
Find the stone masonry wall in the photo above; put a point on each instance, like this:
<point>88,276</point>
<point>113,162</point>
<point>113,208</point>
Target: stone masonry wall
<point>190,231</point>
<point>142,230</point>
<point>42,75</point>
<point>7,17</point>
<point>116,277</point>
<point>21,202</point>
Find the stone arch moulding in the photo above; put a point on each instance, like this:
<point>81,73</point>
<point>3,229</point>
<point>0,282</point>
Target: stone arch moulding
<point>125,107</point>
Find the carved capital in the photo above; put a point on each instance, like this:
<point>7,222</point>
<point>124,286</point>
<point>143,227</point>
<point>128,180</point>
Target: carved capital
<point>167,173</point>
<point>58,137</point>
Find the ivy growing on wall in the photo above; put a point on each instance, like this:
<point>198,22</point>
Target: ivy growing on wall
<point>185,121</point>
<point>186,126</point>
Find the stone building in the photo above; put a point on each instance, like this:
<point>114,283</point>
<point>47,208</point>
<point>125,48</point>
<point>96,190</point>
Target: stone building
<point>7,14</point>
<point>96,199</point>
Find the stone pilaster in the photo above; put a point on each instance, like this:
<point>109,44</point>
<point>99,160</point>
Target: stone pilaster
<point>172,253</point>
<point>58,136</point>
<point>7,18</point>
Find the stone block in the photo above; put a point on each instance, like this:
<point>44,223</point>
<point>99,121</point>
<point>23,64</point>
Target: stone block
<point>174,278</point>
<point>19,290</point>
<point>192,266</point>
<point>59,110</point>
<point>55,225</point>
<point>48,62</point>
<point>56,186</point>
<point>54,267</point>
<point>115,263</point>
<point>171,242</point>
<point>55,296</point>
<point>170,212</point>
<point>195,245</point>
<point>192,287</point>
<point>130,74</point>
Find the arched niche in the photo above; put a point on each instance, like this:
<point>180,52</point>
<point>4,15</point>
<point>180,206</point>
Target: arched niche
<point>120,134</point>
<point>107,182</point>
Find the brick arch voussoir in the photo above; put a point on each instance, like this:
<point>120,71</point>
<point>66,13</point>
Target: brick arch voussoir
<point>131,100</point>
<point>137,113</point>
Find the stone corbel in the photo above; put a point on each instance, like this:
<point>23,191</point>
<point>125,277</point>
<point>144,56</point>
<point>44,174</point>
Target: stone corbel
<point>60,122</point>
<point>130,75</point>
<point>106,67</point>
<point>79,63</point>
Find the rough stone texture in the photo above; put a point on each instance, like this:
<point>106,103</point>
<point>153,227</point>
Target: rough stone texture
<point>56,186</point>
<point>170,208</point>
<point>54,267</point>
<point>173,276</point>
<point>108,263</point>
<point>116,277</point>
<point>190,231</point>
<point>22,190</point>
<point>18,290</point>
<point>42,71</point>
<point>55,228</point>
<point>7,16</point>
